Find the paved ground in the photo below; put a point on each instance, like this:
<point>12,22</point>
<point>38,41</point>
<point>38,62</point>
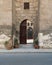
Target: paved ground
<point>31,50</point>
<point>26,59</point>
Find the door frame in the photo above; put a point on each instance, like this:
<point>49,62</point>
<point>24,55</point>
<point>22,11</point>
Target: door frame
<point>22,34</point>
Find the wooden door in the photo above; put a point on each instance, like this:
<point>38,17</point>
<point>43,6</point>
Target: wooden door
<point>23,32</point>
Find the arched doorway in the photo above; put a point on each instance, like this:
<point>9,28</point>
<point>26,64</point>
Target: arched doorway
<point>26,31</point>
<point>23,32</point>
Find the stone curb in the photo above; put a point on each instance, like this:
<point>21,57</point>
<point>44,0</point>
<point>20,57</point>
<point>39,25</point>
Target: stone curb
<point>27,51</point>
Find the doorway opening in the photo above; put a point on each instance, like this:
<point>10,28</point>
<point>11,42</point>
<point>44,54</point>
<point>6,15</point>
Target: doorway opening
<point>26,32</point>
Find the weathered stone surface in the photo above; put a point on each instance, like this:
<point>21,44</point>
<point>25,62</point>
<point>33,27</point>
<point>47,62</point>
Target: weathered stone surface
<point>45,41</point>
<point>45,14</point>
<point>3,39</point>
<point>5,16</point>
<point>44,23</point>
<point>5,12</point>
<point>40,39</point>
<point>20,14</point>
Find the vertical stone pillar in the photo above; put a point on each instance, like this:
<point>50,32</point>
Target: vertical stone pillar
<point>36,20</point>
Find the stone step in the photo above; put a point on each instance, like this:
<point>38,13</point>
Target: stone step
<point>26,45</point>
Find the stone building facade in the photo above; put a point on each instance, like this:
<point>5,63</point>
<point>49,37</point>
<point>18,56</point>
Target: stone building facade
<point>25,11</point>
<point>21,16</point>
<point>6,17</point>
<point>45,22</point>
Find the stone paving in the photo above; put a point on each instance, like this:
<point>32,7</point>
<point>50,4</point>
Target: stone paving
<point>23,50</point>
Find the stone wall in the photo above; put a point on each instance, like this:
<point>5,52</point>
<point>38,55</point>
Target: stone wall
<point>20,14</point>
<point>45,41</point>
<point>45,15</point>
<point>5,15</point>
<point>6,29</point>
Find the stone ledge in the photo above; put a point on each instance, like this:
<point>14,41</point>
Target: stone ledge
<point>26,51</point>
